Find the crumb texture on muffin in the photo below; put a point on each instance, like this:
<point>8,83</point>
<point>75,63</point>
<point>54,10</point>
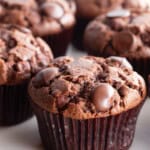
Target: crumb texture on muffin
<point>21,55</point>
<point>90,87</point>
<point>120,33</point>
<point>43,17</point>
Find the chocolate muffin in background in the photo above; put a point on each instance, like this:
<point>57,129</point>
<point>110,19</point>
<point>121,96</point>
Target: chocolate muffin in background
<point>90,104</point>
<point>121,33</point>
<point>53,20</point>
<point>21,57</point>
<point>138,6</point>
<point>88,10</point>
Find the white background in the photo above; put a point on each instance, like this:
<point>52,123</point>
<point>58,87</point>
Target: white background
<point>25,136</point>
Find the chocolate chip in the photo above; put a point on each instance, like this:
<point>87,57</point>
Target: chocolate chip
<point>60,87</point>
<point>123,91</point>
<point>62,101</point>
<point>53,10</point>
<point>12,43</point>
<point>102,97</point>
<point>124,41</point>
<point>45,76</point>
<point>123,61</point>
<point>118,13</point>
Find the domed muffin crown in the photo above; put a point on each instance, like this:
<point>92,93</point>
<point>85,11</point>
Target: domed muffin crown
<point>90,87</point>
<point>21,55</point>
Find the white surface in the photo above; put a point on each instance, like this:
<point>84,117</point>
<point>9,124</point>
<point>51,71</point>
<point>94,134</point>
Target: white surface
<point>25,136</point>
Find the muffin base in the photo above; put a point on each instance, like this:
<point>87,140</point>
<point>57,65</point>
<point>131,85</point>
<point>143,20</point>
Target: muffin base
<point>14,104</point>
<point>109,133</point>
<point>59,42</point>
<point>79,33</point>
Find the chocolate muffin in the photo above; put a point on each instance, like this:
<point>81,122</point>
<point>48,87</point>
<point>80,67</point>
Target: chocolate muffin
<point>90,104</point>
<point>137,6</point>
<point>88,10</point>
<point>53,20</point>
<point>121,33</point>
<point>21,57</point>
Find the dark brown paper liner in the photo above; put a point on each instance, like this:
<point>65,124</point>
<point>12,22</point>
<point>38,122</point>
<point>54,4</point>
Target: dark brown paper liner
<point>78,33</point>
<point>142,66</point>
<point>59,42</point>
<point>109,133</point>
<point>149,85</point>
<point>14,104</point>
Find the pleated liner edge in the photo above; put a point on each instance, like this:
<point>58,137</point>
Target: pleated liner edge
<point>109,133</point>
<point>14,104</point>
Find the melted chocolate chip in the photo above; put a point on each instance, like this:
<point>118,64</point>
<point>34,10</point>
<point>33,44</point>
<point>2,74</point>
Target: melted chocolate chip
<point>45,76</point>
<point>53,10</point>
<point>124,41</point>
<point>118,13</point>
<point>62,101</point>
<point>12,43</point>
<point>59,87</point>
<point>102,97</point>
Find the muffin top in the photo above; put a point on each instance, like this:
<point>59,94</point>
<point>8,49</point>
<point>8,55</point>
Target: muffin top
<point>21,55</point>
<point>137,6</point>
<point>120,33</point>
<point>43,17</point>
<point>91,8</point>
<point>89,87</point>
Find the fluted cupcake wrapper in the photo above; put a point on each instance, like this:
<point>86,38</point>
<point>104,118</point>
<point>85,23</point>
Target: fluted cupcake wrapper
<point>59,42</point>
<point>109,133</point>
<point>14,104</point>
<point>142,66</point>
<point>148,86</point>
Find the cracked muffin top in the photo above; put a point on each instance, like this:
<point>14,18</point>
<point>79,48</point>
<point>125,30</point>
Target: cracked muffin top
<point>95,7</point>
<point>119,33</point>
<point>21,55</point>
<point>89,87</point>
<point>43,17</point>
